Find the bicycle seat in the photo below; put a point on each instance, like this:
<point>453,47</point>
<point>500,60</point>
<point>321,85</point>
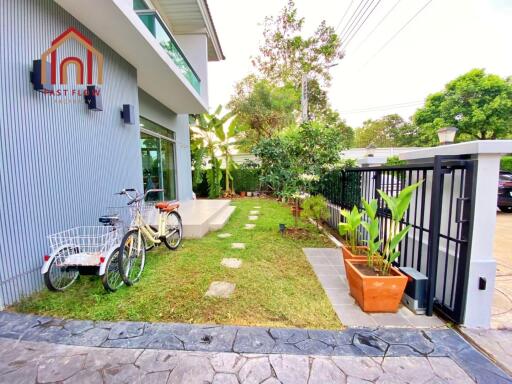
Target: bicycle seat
<point>109,220</point>
<point>167,207</point>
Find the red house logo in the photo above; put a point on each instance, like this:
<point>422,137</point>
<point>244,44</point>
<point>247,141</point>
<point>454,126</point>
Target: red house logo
<point>72,33</point>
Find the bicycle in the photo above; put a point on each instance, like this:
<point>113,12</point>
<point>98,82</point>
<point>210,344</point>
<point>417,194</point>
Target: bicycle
<point>132,254</point>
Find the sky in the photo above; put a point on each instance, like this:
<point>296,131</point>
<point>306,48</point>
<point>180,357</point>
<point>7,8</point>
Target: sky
<point>447,39</point>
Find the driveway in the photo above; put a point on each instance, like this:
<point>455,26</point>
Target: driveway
<point>502,305</point>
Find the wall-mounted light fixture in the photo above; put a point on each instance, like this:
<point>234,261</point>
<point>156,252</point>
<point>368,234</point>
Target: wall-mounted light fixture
<point>447,135</point>
<point>93,98</point>
<point>35,77</point>
<point>128,114</point>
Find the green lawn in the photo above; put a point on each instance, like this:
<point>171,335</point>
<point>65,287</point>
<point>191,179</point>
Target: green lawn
<point>274,287</point>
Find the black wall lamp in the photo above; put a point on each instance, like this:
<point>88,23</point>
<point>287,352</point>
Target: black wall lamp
<point>35,77</point>
<point>128,114</point>
<point>93,98</point>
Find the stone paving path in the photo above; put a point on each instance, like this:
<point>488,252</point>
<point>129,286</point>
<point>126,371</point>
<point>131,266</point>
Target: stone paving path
<point>249,226</point>
<point>224,235</point>
<point>221,289</point>
<point>39,362</point>
<point>410,352</point>
<point>231,262</point>
<point>238,245</point>
<point>253,218</point>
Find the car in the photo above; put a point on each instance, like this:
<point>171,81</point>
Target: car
<point>505,192</point>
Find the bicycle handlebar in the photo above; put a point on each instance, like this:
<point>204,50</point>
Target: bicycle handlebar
<point>138,196</point>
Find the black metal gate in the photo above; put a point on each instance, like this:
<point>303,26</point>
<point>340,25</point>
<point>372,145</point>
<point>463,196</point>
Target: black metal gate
<point>440,215</point>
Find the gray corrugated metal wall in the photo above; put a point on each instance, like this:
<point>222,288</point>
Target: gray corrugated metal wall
<point>59,163</point>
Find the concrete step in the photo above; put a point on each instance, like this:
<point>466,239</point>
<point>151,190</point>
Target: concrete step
<point>221,218</point>
<point>197,215</point>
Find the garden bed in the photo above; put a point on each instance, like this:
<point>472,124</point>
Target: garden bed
<point>274,287</point>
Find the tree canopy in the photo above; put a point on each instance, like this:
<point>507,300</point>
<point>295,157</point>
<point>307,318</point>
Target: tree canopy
<point>388,131</point>
<point>285,55</point>
<point>477,103</point>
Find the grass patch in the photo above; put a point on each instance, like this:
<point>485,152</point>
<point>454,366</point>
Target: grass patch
<point>274,287</point>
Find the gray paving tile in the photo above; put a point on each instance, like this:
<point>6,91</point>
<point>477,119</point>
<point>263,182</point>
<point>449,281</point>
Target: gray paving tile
<point>331,281</point>
<point>351,315</point>
<point>339,296</point>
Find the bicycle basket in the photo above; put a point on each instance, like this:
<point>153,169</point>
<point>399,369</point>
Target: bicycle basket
<point>85,240</point>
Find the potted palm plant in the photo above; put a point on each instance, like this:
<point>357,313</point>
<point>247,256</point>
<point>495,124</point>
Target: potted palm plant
<point>375,284</point>
<point>349,229</point>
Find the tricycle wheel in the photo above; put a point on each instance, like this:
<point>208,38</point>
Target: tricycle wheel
<point>59,278</point>
<point>111,279</point>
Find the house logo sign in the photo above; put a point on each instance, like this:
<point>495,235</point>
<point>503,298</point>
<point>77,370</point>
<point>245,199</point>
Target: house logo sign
<point>71,33</point>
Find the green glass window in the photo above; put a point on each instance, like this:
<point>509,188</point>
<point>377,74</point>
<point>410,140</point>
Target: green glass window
<point>139,5</point>
<point>167,42</point>
<point>158,162</point>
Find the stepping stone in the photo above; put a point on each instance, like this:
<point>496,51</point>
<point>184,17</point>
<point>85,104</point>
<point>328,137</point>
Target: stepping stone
<point>254,212</point>
<point>252,218</point>
<point>249,226</point>
<point>231,262</point>
<point>238,246</point>
<point>257,207</point>
<point>220,289</point>
<point>224,235</point>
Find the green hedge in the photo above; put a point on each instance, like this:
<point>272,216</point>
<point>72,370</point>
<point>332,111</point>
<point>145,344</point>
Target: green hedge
<point>506,163</point>
<point>244,179</point>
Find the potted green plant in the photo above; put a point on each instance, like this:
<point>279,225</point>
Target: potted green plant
<point>375,284</point>
<point>349,229</point>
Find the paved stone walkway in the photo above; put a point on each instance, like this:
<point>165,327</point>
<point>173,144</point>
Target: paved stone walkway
<point>253,218</point>
<point>224,235</point>
<point>238,245</point>
<point>231,262</point>
<point>36,362</point>
<point>249,226</point>
<point>412,352</point>
<point>221,289</point>
<point>330,271</point>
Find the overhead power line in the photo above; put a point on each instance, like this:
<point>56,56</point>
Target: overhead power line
<point>384,107</point>
<point>357,20</point>
<point>344,14</point>
<point>376,26</point>
<point>354,14</point>
<point>397,32</point>
<point>349,39</point>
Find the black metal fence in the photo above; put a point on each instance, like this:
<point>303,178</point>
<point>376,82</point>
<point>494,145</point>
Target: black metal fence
<point>440,214</point>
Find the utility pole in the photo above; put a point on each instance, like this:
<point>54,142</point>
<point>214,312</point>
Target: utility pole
<point>304,98</point>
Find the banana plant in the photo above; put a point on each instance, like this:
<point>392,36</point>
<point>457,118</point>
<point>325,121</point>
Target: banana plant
<point>397,205</point>
<point>373,229</point>
<point>349,227</point>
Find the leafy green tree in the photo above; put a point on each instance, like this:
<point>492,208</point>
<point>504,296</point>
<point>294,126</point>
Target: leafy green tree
<point>286,55</point>
<point>306,149</point>
<point>205,135</point>
<point>264,108</point>
<point>477,103</point>
<point>388,131</point>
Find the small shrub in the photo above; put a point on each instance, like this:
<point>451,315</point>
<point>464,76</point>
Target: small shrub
<point>315,207</point>
<point>506,163</point>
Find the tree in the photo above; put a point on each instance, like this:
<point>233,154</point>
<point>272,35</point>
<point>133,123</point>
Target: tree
<point>388,131</point>
<point>477,103</point>
<point>303,150</point>
<point>264,108</point>
<point>208,133</point>
<point>285,55</point>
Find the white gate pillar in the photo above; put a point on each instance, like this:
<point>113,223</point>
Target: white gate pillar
<point>478,302</point>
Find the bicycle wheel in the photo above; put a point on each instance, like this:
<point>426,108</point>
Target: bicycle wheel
<point>132,255</point>
<point>174,230</point>
<point>59,277</point>
<point>111,279</point>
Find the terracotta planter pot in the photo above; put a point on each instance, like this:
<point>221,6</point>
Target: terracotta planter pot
<point>348,255</point>
<point>375,293</point>
<point>242,194</point>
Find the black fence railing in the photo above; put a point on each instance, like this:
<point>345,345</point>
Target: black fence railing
<point>440,215</point>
